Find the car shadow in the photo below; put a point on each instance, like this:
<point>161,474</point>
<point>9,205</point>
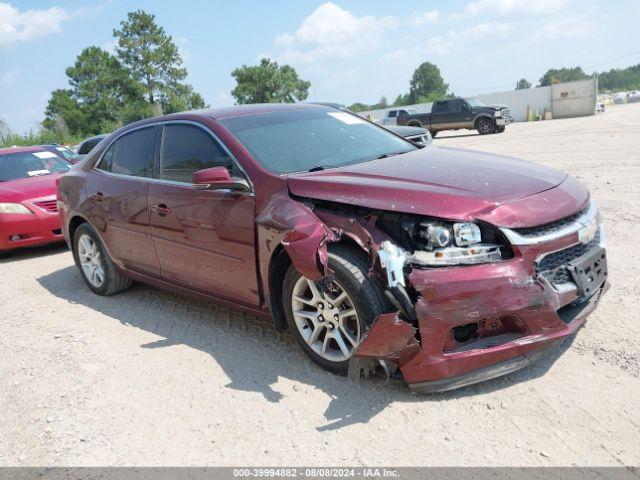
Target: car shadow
<point>27,253</point>
<point>253,355</point>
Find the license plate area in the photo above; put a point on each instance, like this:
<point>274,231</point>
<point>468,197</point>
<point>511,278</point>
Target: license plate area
<point>589,271</point>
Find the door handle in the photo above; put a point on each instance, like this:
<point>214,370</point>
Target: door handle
<point>98,196</point>
<point>161,210</point>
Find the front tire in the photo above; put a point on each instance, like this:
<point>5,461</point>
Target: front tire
<point>96,268</point>
<point>329,325</point>
<point>485,126</point>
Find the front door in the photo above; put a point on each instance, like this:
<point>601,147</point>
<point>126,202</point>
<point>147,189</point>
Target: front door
<point>204,238</point>
<point>118,190</point>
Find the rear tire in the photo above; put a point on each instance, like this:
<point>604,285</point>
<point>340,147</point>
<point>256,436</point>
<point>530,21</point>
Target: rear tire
<point>306,310</point>
<point>98,272</point>
<point>485,126</point>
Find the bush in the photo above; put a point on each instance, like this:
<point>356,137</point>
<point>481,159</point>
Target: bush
<point>40,137</point>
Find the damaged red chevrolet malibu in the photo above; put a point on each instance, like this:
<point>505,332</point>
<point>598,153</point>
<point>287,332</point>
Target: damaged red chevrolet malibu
<point>443,266</point>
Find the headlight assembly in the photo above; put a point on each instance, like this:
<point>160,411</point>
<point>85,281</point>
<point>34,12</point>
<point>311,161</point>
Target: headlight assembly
<point>14,208</point>
<point>498,113</point>
<point>454,244</point>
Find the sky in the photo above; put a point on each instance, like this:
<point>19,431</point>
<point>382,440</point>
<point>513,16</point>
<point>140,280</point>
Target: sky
<point>350,50</point>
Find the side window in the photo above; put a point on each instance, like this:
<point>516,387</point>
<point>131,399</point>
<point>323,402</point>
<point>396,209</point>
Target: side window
<point>131,154</point>
<point>440,107</point>
<point>455,106</point>
<point>393,114</point>
<point>187,149</point>
<point>107,158</point>
<point>404,112</point>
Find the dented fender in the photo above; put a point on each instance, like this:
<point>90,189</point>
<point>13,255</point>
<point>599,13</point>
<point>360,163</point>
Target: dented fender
<point>284,221</point>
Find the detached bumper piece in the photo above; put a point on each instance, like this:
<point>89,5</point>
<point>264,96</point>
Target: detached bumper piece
<point>487,373</point>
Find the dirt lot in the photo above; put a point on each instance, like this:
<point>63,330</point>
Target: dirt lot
<point>152,378</point>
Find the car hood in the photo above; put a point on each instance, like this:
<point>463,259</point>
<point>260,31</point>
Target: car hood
<point>17,191</point>
<point>404,131</point>
<point>441,182</point>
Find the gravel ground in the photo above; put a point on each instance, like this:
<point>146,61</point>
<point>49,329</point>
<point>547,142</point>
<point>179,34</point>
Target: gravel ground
<point>152,378</point>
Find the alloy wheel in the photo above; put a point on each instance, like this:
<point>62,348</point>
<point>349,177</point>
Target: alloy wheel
<point>327,321</point>
<point>90,260</point>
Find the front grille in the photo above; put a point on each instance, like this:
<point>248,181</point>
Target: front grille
<point>553,267</point>
<point>50,206</point>
<point>506,112</point>
<point>550,227</point>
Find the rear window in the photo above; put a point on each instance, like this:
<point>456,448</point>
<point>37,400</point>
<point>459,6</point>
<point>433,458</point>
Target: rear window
<point>14,166</point>
<point>131,154</point>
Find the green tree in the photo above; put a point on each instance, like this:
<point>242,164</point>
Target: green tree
<point>523,84</point>
<point>559,75</point>
<point>268,83</point>
<point>620,79</point>
<point>63,104</point>
<point>154,62</point>
<point>427,84</point>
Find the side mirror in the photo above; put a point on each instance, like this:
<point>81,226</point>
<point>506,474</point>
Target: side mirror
<point>217,178</point>
<point>466,107</point>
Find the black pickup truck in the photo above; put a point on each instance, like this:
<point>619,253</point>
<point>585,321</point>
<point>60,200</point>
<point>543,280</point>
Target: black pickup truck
<point>457,113</point>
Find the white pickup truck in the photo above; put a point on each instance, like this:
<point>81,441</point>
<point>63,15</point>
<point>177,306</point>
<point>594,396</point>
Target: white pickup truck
<point>392,115</point>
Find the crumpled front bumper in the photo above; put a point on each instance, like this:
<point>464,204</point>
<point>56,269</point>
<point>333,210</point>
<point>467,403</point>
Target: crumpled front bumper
<point>528,313</point>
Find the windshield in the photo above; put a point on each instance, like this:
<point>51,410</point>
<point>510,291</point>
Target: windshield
<point>313,139</point>
<point>474,102</point>
<point>66,153</point>
<point>14,166</point>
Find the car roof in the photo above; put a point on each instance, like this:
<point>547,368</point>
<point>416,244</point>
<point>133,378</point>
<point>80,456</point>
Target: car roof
<point>102,135</point>
<point>34,148</point>
<point>254,108</point>
<point>227,112</point>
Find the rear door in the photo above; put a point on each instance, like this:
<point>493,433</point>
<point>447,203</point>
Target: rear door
<point>118,189</point>
<point>440,117</point>
<point>204,238</point>
<point>459,114</point>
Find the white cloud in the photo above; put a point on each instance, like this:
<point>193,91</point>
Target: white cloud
<point>421,19</point>
<point>397,56</point>
<point>331,31</point>
<point>456,39</point>
<point>10,77</point>
<point>571,27</point>
<point>17,26</point>
<point>509,7</point>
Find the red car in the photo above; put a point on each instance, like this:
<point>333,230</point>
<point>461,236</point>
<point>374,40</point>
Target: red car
<point>440,265</point>
<point>28,206</point>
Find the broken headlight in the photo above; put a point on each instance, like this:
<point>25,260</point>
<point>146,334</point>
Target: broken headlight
<point>454,244</point>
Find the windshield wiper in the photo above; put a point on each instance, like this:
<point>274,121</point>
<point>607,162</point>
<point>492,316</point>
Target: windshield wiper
<point>387,155</point>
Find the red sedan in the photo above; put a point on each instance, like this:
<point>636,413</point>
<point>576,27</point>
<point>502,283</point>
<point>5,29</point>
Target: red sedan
<point>28,206</point>
<point>439,265</point>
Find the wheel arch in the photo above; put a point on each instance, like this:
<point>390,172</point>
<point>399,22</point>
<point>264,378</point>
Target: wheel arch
<point>279,263</point>
<point>480,117</point>
<point>73,224</point>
